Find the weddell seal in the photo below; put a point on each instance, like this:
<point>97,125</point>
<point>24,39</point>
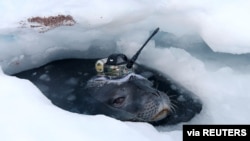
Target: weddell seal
<point>132,98</point>
<point>115,88</point>
<point>144,96</point>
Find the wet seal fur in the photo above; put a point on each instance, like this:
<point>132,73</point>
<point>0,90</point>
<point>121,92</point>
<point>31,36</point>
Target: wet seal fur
<point>147,97</point>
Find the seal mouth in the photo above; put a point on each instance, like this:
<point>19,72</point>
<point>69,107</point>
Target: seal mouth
<point>162,114</point>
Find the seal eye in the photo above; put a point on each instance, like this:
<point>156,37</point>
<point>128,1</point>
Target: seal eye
<point>118,101</point>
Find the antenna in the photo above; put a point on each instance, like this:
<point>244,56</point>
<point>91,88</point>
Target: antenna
<point>133,59</point>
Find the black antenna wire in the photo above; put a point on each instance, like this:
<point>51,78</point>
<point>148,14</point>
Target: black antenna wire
<point>133,59</point>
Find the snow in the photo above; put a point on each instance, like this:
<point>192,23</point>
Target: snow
<point>113,26</point>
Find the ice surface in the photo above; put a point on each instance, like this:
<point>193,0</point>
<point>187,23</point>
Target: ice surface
<point>216,70</point>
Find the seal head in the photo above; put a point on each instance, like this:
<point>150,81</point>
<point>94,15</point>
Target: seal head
<point>133,97</point>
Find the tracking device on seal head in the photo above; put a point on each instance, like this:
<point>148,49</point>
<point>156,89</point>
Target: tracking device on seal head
<point>118,65</point>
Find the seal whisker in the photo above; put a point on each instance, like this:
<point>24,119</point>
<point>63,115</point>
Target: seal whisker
<point>173,108</point>
<point>171,96</point>
<point>167,93</point>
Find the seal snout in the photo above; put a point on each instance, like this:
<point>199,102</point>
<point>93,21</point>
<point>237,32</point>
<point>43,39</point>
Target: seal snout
<point>163,110</point>
<point>164,107</point>
<point>156,107</point>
